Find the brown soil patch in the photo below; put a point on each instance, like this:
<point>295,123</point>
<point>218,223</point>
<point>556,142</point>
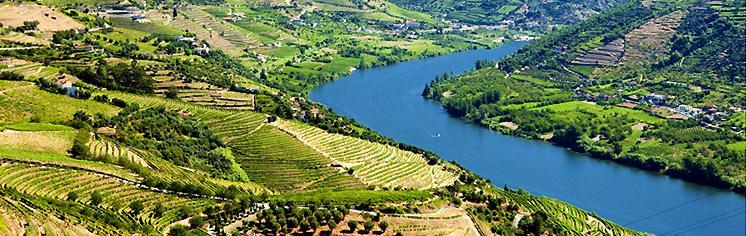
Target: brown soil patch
<point>446,221</point>
<point>639,126</point>
<point>509,125</point>
<point>49,19</point>
<point>43,141</point>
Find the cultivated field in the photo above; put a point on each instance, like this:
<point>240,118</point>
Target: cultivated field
<point>49,19</point>
<point>269,156</point>
<point>57,183</point>
<point>605,55</point>
<point>373,163</point>
<point>20,100</point>
<point>651,38</point>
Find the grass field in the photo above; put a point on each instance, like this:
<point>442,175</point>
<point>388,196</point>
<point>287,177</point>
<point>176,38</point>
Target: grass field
<point>19,101</point>
<point>568,107</point>
<point>42,141</point>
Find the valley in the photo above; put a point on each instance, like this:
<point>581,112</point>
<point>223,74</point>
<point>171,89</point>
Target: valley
<point>201,117</point>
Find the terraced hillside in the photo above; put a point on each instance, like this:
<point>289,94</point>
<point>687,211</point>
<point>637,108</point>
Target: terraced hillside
<point>36,70</point>
<point>573,220</point>
<point>607,54</point>
<point>269,156</point>
<point>292,156</point>
<point>200,92</point>
<point>103,148</point>
<point>651,38</point>
<point>19,218</point>
<point>373,163</point>
<point>216,32</point>
<point>118,194</point>
<point>20,100</point>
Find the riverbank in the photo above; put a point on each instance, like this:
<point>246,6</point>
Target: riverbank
<point>581,126</point>
<point>388,100</point>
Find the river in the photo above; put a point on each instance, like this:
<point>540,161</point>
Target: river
<point>387,99</point>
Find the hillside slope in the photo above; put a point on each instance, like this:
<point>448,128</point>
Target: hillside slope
<point>526,14</point>
<point>627,85</point>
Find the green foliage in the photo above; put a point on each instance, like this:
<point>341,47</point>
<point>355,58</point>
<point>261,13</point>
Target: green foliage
<point>492,12</point>
<point>182,140</point>
<point>9,75</point>
<point>121,76</point>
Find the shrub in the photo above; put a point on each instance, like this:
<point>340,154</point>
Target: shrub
<point>352,224</point>
<point>8,75</point>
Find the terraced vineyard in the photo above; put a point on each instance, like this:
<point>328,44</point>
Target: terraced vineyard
<point>19,218</point>
<point>605,55</point>
<point>37,70</point>
<point>103,148</point>
<point>216,32</point>
<point>20,100</point>
<point>651,38</point>
<point>269,156</point>
<point>202,93</point>
<point>374,163</point>
<point>572,219</point>
<point>58,183</point>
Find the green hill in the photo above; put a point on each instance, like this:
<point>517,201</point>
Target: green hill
<point>626,85</point>
<point>192,118</point>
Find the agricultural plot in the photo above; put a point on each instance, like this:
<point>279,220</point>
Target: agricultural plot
<point>21,100</point>
<point>19,38</point>
<point>373,163</point>
<point>215,31</point>
<point>572,219</point>
<point>18,218</point>
<point>41,141</point>
<point>104,148</point>
<point>651,38</point>
<point>568,107</point>
<point>202,93</point>
<point>275,159</point>
<point>269,156</point>
<point>58,183</point>
<point>605,55</point>
<point>34,70</point>
<point>446,221</point>
<point>49,19</point>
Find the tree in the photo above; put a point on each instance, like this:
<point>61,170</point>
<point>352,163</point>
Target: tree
<point>383,225</point>
<point>96,198</point>
<point>159,210</point>
<point>332,224</point>
<point>72,196</point>
<point>313,222</point>
<point>196,222</point>
<point>292,222</point>
<point>304,225</point>
<point>172,93</point>
<point>368,225</point>
<point>179,230</point>
<point>352,224</point>
<point>137,207</point>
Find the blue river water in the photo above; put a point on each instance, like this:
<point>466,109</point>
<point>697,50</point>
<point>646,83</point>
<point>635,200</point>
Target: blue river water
<point>387,99</point>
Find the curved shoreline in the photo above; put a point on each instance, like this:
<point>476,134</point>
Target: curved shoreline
<point>388,100</point>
